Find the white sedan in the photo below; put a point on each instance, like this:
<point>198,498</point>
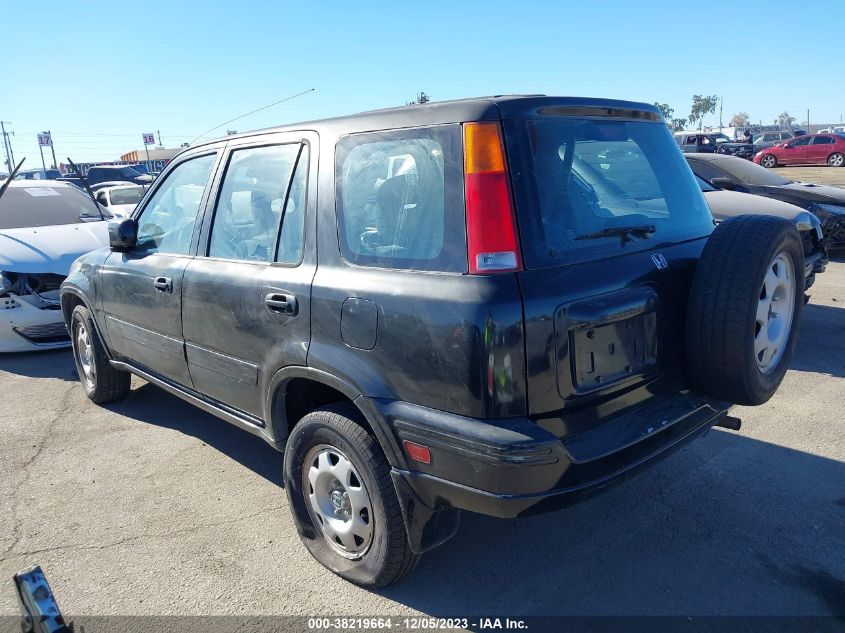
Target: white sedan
<point>120,199</point>
<point>44,226</point>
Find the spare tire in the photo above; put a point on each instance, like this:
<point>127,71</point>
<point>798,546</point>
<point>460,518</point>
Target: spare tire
<point>744,307</point>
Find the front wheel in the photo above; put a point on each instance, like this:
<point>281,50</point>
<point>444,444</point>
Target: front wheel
<point>768,161</point>
<point>102,382</point>
<point>342,497</point>
<point>836,160</point>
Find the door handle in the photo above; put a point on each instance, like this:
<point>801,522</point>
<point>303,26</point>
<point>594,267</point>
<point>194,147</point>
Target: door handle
<point>281,304</point>
<point>163,284</point>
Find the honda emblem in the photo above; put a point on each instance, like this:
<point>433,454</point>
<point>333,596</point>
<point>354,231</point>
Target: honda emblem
<point>659,261</point>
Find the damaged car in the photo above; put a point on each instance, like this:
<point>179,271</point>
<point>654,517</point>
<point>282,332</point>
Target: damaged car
<point>44,226</point>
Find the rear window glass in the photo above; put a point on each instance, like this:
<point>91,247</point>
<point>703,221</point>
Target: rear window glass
<point>126,195</point>
<point>400,199</point>
<point>581,184</point>
<point>45,206</point>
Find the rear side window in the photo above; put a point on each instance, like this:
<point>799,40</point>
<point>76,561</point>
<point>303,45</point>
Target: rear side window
<point>251,203</point>
<point>823,140</point>
<point>400,199</point>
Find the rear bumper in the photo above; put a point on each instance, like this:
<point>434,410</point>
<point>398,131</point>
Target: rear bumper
<point>509,468</point>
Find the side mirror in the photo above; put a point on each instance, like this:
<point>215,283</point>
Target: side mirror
<point>123,234</point>
<point>723,183</point>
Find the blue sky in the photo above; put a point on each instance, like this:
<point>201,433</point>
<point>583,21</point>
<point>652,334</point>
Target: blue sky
<point>98,74</point>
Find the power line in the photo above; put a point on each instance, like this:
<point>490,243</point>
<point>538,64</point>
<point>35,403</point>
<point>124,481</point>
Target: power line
<point>252,112</point>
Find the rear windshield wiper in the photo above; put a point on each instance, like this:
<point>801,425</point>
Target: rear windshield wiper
<point>627,233</point>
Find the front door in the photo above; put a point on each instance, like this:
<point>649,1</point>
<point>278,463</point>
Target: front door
<point>142,288</point>
<point>796,152</point>
<point>247,295</point>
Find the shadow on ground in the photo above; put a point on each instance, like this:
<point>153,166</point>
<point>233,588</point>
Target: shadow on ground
<point>155,406</point>
<point>729,525</point>
<point>821,341</point>
<point>46,364</point>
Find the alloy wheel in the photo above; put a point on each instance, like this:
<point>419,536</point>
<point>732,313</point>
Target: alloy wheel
<point>85,353</point>
<point>836,160</point>
<point>768,161</point>
<point>774,313</point>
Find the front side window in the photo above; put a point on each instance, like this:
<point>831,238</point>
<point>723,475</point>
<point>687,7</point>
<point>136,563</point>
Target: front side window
<point>400,199</point>
<point>167,222</point>
<point>804,140</point>
<point>580,184</point>
<point>251,202</point>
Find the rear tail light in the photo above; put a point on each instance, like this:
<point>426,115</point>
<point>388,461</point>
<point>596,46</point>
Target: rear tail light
<point>492,240</point>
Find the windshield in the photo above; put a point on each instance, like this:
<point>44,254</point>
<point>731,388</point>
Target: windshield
<point>22,207</point>
<point>127,195</point>
<point>579,177</point>
<point>750,173</point>
<point>128,172</point>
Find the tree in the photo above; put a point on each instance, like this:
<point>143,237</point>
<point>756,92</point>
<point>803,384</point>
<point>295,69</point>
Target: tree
<point>784,119</point>
<point>665,110</point>
<point>702,106</point>
<point>679,124</point>
<point>740,119</point>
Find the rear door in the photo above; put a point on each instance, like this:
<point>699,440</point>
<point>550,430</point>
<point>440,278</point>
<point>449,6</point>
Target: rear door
<point>820,148</point>
<point>142,289</point>
<point>604,309</point>
<point>247,294</point>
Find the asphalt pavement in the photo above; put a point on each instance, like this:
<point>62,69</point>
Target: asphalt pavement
<point>150,506</point>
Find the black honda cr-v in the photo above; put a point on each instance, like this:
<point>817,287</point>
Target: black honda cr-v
<point>494,305</point>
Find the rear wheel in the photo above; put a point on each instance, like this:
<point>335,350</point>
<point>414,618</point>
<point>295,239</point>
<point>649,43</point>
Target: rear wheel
<point>836,160</point>
<point>744,307</point>
<point>768,161</point>
<point>102,382</point>
<point>341,494</point>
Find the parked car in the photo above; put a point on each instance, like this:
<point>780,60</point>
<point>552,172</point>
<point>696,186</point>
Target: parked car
<point>725,204</point>
<point>44,227</point>
<point>811,149</point>
<point>763,140</point>
<point>445,327</point>
<point>825,202</point>
<point>698,142</point>
<point>120,199</point>
<point>116,173</point>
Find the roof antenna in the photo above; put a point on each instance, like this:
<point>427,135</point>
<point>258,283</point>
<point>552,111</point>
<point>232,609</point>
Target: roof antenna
<point>87,188</point>
<point>299,94</point>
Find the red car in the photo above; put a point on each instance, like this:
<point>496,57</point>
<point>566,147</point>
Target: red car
<point>810,149</point>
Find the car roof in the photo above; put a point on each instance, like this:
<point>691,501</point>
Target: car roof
<point>433,112</point>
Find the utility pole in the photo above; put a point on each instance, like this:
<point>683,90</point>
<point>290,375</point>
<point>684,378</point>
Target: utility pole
<point>159,138</point>
<point>6,148</point>
<point>7,144</point>
<point>808,120</point>
<point>720,115</point>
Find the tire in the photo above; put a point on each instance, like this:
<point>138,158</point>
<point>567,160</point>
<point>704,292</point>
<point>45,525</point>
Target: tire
<point>373,558</point>
<point>738,346</point>
<point>836,160</point>
<point>768,161</point>
<point>102,382</point>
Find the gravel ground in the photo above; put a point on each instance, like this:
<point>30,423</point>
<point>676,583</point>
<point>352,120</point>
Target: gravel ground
<point>150,506</point>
